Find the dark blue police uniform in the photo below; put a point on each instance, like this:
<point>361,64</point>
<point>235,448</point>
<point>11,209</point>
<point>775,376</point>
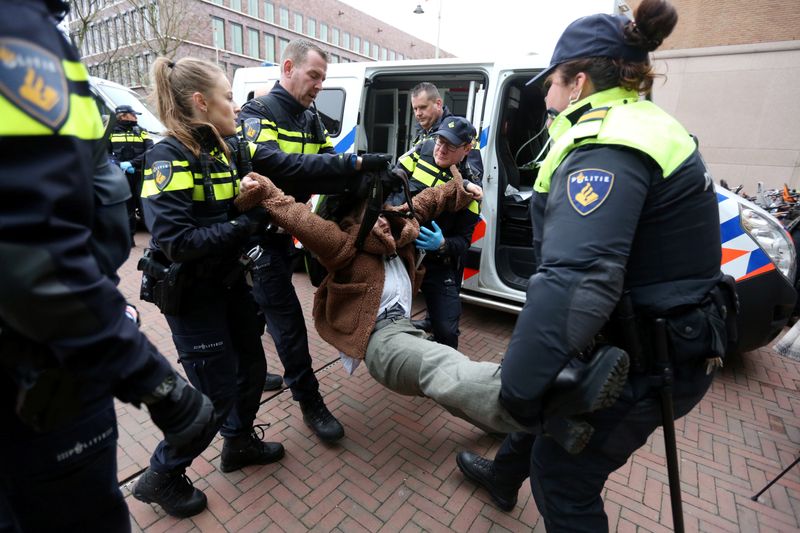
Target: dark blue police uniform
<point>441,285</point>
<point>188,208</point>
<point>65,340</point>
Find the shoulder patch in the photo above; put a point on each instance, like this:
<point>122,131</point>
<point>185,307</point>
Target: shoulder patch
<point>33,80</point>
<point>588,188</point>
<point>162,174</point>
<point>252,127</point>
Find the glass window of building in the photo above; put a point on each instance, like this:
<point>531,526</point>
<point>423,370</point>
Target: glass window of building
<point>252,8</point>
<point>269,11</point>
<point>392,55</point>
<point>218,2</point>
<point>218,32</point>
<point>366,47</point>
<point>252,42</point>
<point>311,28</point>
<point>346,40</point>
<point>283,43</point>
<point>334,58</point>
<point>384,55</point>
<point>298,23</point>
<point>284,17</point>
<point>236,4</point>
<point>356,44</point>
<point>236,38</point>
<point>323,32</point>
<point>335,36</point>
<point>269,47</point>
<point>400,56</point>
<point>374,51</point>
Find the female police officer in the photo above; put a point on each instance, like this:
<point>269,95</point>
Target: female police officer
<point>630,207</point>
<point>190,182</point>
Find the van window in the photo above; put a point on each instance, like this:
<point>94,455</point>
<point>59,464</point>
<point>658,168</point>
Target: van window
<point>330,105</point>
<point>122,96</point>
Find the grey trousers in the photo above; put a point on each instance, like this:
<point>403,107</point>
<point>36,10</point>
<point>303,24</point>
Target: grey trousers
<point>401,359</point>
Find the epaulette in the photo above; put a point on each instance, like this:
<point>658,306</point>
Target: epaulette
<point>598,113</point>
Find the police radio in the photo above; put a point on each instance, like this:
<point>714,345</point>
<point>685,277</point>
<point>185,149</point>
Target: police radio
<point>243,164</point>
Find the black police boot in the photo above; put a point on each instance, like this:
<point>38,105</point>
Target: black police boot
<point>172,491</point>
<point>481,471</point>
<point>273,382</point>
<point>245,450</point>
<point>583,387</point>
<point>424,324</point>
<point>320,420</point>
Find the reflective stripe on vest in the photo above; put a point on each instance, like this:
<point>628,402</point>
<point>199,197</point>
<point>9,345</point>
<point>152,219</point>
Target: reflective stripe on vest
<point>622,120</point>
<point>430,175</point>
<point>183,179</point>
<point>290,142</point>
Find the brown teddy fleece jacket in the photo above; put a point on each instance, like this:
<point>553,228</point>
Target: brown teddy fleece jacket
<point>347,301</point>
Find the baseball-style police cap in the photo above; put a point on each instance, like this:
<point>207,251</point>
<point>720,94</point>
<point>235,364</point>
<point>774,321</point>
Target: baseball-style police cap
<point>125,109</point>
<point>598,35</point>
<point>456,130</point>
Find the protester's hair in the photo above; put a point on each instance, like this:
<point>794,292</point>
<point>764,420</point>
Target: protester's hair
<point>298,49</point>
<point>428,88</point>
<point>174,85</point>
<point>653,21</point>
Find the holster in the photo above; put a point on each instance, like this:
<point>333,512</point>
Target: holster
<point>163,283</point>
<point>694,332</point>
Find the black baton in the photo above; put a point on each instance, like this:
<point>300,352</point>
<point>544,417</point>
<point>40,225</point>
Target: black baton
<point>668,422</point>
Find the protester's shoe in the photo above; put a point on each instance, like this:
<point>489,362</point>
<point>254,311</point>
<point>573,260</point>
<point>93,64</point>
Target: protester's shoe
<point>424,324</point>
<point>246,450</point>
<point>481,471</point>
<point>320,420</point>
<point>173,491</point>
<point>273,382</point>
<point>583,387</point>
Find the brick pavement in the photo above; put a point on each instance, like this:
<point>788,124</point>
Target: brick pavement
<point>395,469</point>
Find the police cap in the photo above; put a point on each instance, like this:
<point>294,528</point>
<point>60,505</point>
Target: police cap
<point>125,109</point>
<point>456,130</point>
<point>598,35</point>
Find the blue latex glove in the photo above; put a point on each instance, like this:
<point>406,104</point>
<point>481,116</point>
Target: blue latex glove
<point>430,240</point>
<point>127,167</point>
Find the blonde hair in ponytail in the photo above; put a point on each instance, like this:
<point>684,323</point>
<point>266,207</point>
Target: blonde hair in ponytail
<point>174,85</point>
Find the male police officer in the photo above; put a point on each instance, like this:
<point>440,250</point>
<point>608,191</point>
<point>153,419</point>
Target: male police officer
<point>446,242</point>
<point>129,142</point>
<point>66,347</point>
<point>286,123</point>
<point>430,111</point>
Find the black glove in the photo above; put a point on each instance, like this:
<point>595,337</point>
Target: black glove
<point>375,162</point>
<point>255,220</point>
<point>183,413</point>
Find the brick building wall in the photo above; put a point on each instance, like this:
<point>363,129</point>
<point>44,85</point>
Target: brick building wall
<point>236,33</point>
<point>732,68</point>
<point>704,23</point>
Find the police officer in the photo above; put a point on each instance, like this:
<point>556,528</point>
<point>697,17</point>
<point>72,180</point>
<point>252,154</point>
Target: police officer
<point>446,242</point>
<point>631,207</point>
<point>430,111</point>
<point>190,182</point>
<point>300,160</point>
<point>129,142</point>
<point>66,348</point>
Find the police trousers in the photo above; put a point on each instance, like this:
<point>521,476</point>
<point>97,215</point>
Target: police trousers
<point>219,345</point>
<point>275,295</point>
<point>441,287</point>
<point>567,487</point>
<point>401,359</point>
<point>61,480</point>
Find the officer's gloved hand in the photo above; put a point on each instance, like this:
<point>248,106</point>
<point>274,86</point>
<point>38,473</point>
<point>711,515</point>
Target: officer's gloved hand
<point>183,413</point>
<point>127,167</point>
<point>375,162</point>
<point>430,240</point>
<point>254,219</point>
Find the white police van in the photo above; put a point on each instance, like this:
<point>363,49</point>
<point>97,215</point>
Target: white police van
<point>109,95</point>
<point>366,107</point>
